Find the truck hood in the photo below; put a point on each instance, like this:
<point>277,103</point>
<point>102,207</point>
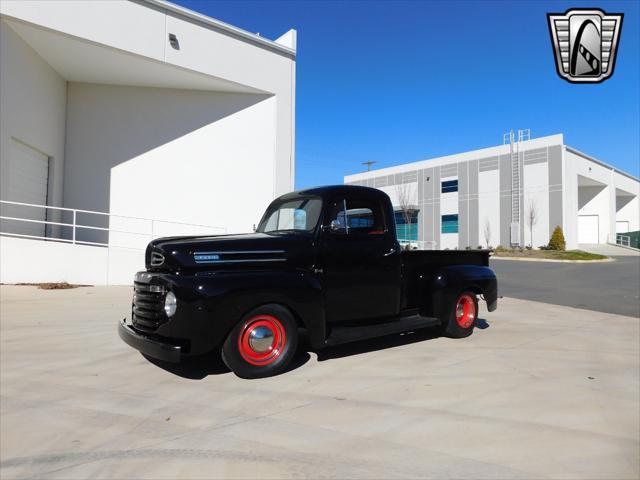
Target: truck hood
<point>226,251</point>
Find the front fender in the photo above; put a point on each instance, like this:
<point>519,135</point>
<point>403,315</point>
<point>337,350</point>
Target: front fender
<point>214,302</point>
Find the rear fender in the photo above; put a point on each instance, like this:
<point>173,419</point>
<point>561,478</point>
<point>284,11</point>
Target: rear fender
<point>451,280</point>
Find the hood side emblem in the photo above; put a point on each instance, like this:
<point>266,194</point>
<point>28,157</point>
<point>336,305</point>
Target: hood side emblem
<point>239,256</point>
<point>157,259</point>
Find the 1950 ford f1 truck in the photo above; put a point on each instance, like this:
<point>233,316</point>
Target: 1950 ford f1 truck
<point>325,259</point>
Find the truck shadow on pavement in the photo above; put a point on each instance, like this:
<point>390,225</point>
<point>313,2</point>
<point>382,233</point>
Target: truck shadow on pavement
<point>200,367</point>
<point>383,343</point>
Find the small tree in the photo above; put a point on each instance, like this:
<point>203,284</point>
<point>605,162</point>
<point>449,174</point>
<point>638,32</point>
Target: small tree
<point>557,240</point>
<point>404,199</point>
<point>532,218</point>
<point>487,231</point>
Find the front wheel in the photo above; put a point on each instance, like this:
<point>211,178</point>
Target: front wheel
<point>262,344</point>
<point>461,315</point>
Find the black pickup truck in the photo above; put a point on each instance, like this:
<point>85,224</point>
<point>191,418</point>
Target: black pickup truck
<point>325,259</point>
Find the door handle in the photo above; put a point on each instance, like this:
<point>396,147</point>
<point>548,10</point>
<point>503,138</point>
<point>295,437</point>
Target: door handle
<point>390,252</point>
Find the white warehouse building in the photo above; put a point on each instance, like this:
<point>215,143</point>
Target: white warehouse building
<point>485,197</point>
<point>131,120</point>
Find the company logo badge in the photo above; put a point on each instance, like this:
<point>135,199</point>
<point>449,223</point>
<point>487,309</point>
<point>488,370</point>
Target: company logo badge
<point>585,42</point>
<point>205,257</point>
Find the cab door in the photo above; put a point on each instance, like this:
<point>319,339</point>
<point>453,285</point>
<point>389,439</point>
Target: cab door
<point>361,261</point>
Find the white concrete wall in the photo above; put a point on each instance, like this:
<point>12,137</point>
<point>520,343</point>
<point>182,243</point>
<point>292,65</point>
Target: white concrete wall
<point>142,30</point>
<point>186,156</point>
<point>395,191</point>
<point>243,63</point>
<point>32,110</point>
<point>489,206</point>
<point>602,204</point>
<point>569,200</point>
<point>114,23</point>
<point>596,200</point>
<point>536,196</point>
<point>458,157</point>
<point>535,186</point>
<point>627,206</point>
<point>35,261</point>
<point>630,213</point>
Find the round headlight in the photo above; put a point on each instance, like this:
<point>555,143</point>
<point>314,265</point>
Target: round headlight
<point>170,304</point>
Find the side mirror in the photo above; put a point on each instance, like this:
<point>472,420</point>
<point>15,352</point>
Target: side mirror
<point>335,226</point>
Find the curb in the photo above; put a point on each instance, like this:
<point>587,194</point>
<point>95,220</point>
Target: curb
<point>552,260</point>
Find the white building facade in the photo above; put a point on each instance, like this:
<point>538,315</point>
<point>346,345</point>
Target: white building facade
<point>488,197</point>
<point>135,119</point>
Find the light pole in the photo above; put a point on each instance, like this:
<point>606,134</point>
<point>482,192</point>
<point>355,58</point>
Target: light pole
<point>368,164</point>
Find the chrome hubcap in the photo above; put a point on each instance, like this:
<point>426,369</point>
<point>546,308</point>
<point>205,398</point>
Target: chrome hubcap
<point>261,339</point>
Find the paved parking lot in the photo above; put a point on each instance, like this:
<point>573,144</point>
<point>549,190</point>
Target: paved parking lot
<point>539,391</point>
<point>612,287</point>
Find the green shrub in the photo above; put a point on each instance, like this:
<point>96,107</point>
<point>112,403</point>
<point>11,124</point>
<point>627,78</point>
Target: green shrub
<point>557,240</point>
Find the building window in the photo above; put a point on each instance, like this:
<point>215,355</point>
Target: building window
<point>407,232</point>
<point>450,186</point>
<point>450,223</point>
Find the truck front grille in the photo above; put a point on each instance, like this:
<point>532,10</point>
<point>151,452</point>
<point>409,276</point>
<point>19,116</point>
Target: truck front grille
<point>148,306</point>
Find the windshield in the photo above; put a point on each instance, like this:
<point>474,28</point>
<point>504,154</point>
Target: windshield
<point>301,214</point>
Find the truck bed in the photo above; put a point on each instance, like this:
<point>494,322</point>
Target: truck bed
<point>445,257</point>
<point>423,265</point>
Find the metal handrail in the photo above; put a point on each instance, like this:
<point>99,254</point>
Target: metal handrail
<point>48,222</point>
<point>624,240</point>
<point>78,210</point>
<point>74,226</point>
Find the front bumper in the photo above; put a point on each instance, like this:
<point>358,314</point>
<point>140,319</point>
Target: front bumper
<point>148,346</point>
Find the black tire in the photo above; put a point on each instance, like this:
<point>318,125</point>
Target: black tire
<point>454,326</point>
<point>247,351</point>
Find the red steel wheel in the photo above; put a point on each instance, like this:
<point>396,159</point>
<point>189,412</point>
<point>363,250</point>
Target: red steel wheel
<point>262,339</point>
<point>465,311</point>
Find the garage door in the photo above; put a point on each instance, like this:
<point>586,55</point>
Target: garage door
<point>588,229</point>
<point>28,174</point>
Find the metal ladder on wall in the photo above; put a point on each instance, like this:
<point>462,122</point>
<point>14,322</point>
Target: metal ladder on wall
<point>516,181</point>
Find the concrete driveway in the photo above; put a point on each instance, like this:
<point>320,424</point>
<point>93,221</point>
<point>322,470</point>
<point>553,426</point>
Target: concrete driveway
<point>609,250</point>
<point>539,391</point>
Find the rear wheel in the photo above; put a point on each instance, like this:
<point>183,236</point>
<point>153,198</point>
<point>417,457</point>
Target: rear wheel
<point>262,344</point>
<point>461,315</point>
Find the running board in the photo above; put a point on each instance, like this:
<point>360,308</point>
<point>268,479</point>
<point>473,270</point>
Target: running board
<point>361,332</point>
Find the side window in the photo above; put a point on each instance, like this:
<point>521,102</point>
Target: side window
<point>365,217</point>
<point>354,217</point>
